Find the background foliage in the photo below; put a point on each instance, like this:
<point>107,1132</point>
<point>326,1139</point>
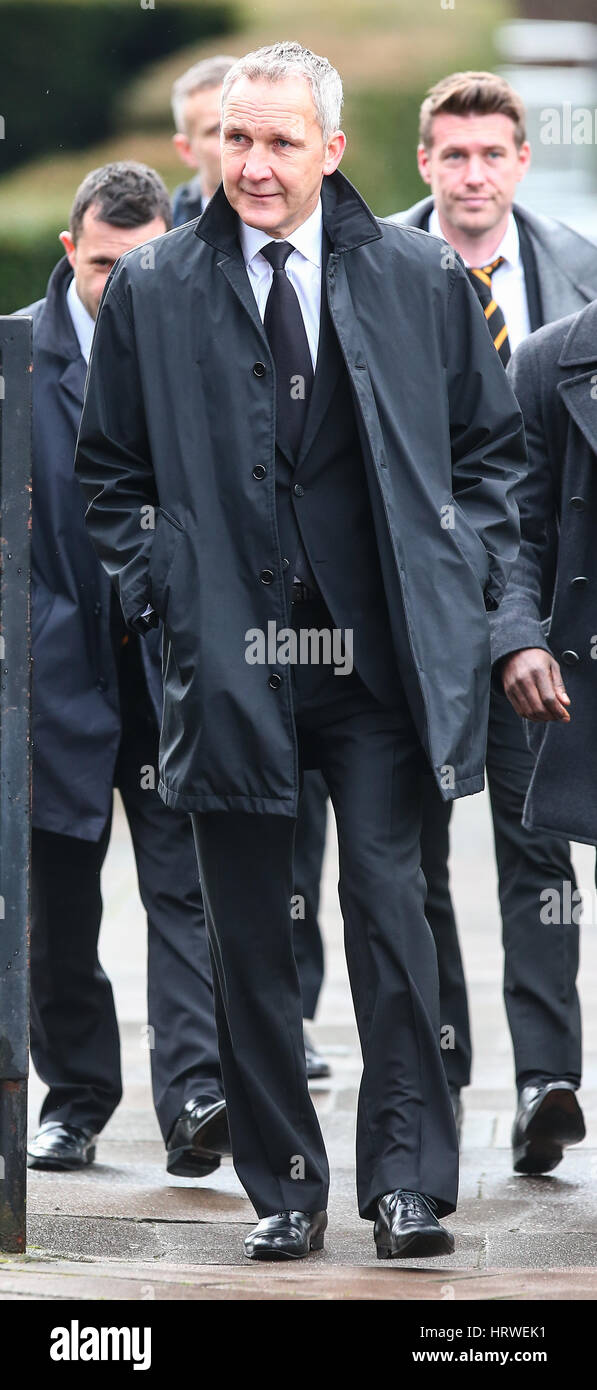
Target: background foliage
<point>87,81</point>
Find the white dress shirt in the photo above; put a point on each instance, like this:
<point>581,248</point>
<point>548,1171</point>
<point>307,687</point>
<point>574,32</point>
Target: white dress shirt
<point>303,269</point>
<point>83,323</point>
<point>507,282</point>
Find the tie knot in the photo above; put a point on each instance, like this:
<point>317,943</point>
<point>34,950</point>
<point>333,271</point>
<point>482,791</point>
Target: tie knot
<point>486,271</point>
<point>277,253</point>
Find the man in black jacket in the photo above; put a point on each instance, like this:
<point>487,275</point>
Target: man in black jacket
<point>326,551</point>
<point>196,99</point>
<point>528,270</point>
<point>547,665</point>
<point>96,712</point>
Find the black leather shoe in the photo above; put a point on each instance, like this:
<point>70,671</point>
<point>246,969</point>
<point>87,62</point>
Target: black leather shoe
<point>407,1227</point>
<point>289,1235</point>
<point>548,1118</point>
<point>60,1147</point>
<point>197,1139</point>
<point>458,1108</point>
<point>317,1067</point>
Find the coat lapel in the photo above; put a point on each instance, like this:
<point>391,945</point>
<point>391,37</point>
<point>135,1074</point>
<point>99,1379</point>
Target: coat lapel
<point>579,391</point>
<point>327,368</point>
<point>72,380</point>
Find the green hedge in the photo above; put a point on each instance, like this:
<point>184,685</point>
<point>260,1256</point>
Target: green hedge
<point>25,270</point>
<point>65,62</point>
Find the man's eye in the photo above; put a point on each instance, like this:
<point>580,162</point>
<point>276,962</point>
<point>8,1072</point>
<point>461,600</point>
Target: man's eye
<point>285,143</point>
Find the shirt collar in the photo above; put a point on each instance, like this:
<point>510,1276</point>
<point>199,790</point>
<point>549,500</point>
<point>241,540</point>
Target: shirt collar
<point>306,238</point>
<point>509,246</point>
<point>83,323</point>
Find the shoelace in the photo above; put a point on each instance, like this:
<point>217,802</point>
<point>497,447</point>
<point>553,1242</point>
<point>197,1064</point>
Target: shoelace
<point>412,1201</point>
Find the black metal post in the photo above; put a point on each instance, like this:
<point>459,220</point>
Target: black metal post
<point>15,771</point>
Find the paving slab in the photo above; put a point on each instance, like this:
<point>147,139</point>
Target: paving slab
<point>123,1229</point>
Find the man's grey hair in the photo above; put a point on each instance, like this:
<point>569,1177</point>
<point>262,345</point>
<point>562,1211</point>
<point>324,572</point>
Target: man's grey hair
<point>201,77</point>
<point>280,60</point>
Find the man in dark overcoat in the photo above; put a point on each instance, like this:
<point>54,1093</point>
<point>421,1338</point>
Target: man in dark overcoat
<point>474,154</point>
<point>97,708</point>
<point>289,388</point>
<point>547,666</point>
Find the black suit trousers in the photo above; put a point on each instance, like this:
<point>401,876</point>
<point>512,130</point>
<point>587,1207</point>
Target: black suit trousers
<point>74,1032</point>
<point>309,845</point>
<point>540,960</point>
<point>371,759</point>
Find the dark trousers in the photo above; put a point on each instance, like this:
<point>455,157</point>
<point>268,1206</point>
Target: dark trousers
<point>74,1033</point>
<point>371,759</point>
<point>540,960</point>
<point>309,845</point>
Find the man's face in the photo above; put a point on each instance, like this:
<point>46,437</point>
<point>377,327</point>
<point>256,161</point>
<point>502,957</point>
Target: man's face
<point>98,246</point>
<point>473,168</point>
<point>273,154</point>
<point>200,147</point>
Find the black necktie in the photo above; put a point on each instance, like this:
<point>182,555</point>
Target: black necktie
<point>480,278</point>
<point>283,323</point>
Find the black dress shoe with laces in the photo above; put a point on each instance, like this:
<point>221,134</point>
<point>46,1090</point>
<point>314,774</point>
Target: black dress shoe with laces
<point>290,1235</point>
<point>548,1118</point>
<point>197,1139</point>
<point>60,1147</point>
<point>317,1067</point>
<point>407,1227</point>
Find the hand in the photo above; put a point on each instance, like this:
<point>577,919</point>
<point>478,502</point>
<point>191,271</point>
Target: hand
<point>533,683</point>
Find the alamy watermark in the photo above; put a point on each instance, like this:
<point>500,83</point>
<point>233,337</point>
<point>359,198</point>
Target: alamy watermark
<point>305,646</point>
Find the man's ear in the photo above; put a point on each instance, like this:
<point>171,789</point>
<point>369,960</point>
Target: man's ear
<point>524,160</point>
<point>335,149</point>
<point>69,246</point>
<point>182,145</point>
<point>423,163</point>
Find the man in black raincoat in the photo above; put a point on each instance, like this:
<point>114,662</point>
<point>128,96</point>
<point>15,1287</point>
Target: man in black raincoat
<point>321,459</point>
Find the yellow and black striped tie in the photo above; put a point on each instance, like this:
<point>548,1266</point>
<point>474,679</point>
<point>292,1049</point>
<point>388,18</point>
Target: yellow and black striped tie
<point>480,278</point>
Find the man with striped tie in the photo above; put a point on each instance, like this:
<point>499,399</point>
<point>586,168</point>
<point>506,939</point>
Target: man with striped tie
<point>528,270</point>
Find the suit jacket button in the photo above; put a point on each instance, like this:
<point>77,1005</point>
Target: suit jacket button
<point>259,471</point>
<point>298,490</point>
<point>259,369</point>
<point>267,576</point>
<point>578,503</point>
<point>570,658</point>
<point>285,563</point>
<point>97,608</point>
<point>274,681</point>
<point>102,683</point>
<point>579,582</point>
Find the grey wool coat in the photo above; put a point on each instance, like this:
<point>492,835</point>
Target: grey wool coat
<point>180,408</point>
<point>554,375</point>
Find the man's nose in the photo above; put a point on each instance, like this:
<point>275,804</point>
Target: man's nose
<point>256,166</point>
<point>475,172</point>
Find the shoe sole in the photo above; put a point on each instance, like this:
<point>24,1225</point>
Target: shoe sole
<point>60,1165</point>
<point>557,1124</point>
<point>187,1163</point>
<point>418,1246</point>
<point>261,1253</point>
